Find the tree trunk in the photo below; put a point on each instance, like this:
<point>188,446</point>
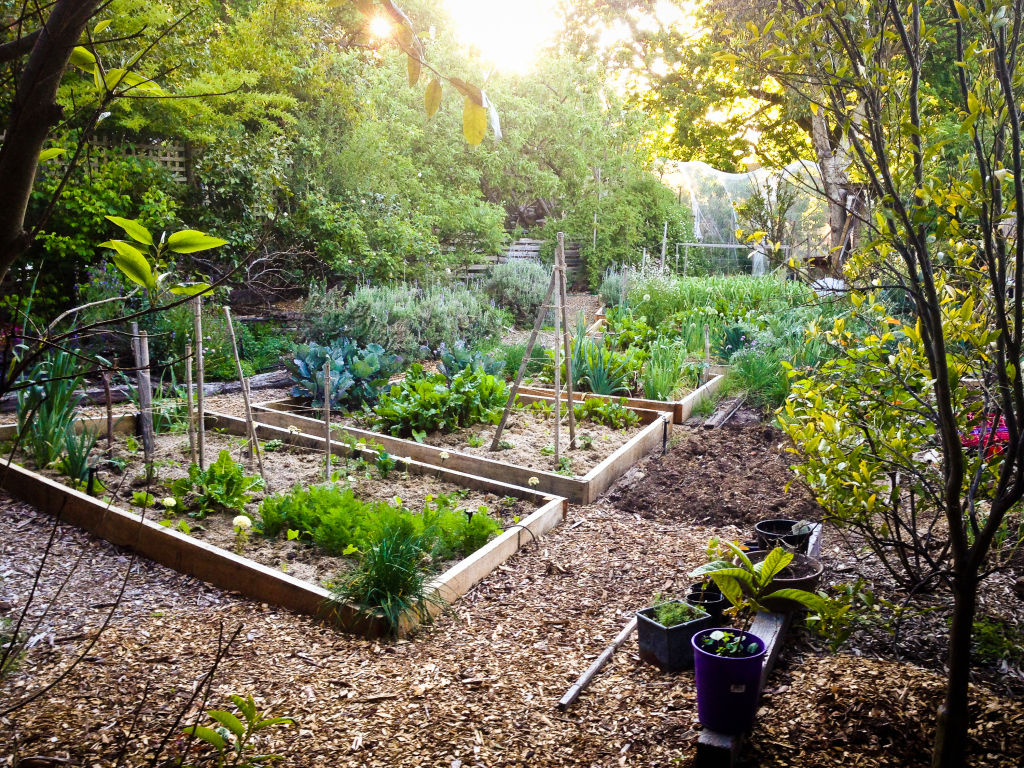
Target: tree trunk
<point>835,182</point>
<point>34,112</point>
<point>950,749</point>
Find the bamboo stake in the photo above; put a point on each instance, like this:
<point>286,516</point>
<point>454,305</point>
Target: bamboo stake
<point>327,417</point>
<point>584,680</point>
<point>254,443</point>
<point>188,404</point>
<point>526,361</point>
<point>197,328</point>
<point>560,256</point>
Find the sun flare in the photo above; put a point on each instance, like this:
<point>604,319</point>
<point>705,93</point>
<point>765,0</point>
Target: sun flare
<point>509,35</point>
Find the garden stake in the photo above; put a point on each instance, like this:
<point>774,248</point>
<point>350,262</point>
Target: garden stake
<point>188,404</point>
<point>110,410</point>
<point>327,418</point>
<point>254,442</point>
<point>584,680</point>
<point>141,348</point>
<point>526,361</point>
<point>707,352</point>
<point>558,367</point>
<point>563,300</point>
<point>197,331</point>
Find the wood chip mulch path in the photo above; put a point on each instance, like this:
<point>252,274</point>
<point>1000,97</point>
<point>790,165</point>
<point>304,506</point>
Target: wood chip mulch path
<point>477,689</point>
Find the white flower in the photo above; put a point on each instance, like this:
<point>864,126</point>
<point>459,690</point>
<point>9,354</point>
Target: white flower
<point>169,501</point>
<point>242,522</point>
<point>647,297</point>
<point>717,635</point>
<point>445,456</point>
<point>293,429</point>
<point>533,481</point>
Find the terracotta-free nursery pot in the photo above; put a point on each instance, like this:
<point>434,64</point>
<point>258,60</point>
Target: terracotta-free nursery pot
<point>668,648</point>
<point>710,600</point>
<point>728,687</point>
<point>779,533</point>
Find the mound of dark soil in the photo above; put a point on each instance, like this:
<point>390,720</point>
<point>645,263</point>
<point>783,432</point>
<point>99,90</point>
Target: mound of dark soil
<point>734,475</point>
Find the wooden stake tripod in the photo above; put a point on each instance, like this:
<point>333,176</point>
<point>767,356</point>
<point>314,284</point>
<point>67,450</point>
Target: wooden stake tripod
<point>556,287</point>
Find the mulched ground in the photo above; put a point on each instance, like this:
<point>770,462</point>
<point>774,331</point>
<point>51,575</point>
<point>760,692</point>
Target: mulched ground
<point>479,687</point>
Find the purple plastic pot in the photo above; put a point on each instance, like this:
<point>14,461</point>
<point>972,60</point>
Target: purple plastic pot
<point>728,687</point>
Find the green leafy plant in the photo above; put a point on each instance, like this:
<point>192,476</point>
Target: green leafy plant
<point>425,402</point>
<point>722,642</point>
<point>669,613</point>
<point>474,440</point>
<point>223,485</point>
<point>77,449</point>
<point>389,581</point>
<point>519,286</point>
<point>357,374</point>
<point>458,358</point>
<point>231,735</point>
<point>746,584</point>
<point>608,412</point>
<point>47,401</point>
<point>385,463</point>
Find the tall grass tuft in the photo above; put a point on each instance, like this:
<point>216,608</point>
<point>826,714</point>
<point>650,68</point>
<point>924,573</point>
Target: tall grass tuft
<point>389,580</point>
<point>46,406</point>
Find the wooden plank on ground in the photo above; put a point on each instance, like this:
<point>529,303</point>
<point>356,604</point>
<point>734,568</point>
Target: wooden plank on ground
<point>124,424</point>
<point>653,437</point>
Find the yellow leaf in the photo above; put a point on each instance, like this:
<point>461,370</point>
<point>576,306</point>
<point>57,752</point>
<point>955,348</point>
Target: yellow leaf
<point>432,98</point>
<point>474,122</point>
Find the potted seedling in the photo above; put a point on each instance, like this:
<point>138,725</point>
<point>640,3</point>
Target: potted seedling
<point>664,631</point>
<point>727,668</point>
<point>707,596</point>
<point>776,580</point>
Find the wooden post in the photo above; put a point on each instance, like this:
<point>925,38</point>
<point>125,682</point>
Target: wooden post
<point>254,443</point>
<point>558,366</point>
<point>541,313</point>
<point>197,333</point>
<point>145,388</point>
<point>595,230</point>
<point>110,411</point>
<point>563,300</point>
<point>188,404</point>
<point>664,244</point>
<point>707,352</point>
<point>676,269</point>
<point>686,258</point>
<point>327,418</point>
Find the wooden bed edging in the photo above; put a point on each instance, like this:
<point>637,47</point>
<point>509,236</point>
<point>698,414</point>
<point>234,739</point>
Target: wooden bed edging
<point>229,571</point>
<point>584,490</point>
<point>719,750</point>
<point>124,423</point>
<point>681,409</point>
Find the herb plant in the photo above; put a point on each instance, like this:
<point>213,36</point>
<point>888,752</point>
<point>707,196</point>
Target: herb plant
<point>669,613</point>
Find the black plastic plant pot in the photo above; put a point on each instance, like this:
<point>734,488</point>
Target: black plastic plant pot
<point>713,602</point>
<point>704,586</point>
<point>777,533</point>
<point>668,648</point>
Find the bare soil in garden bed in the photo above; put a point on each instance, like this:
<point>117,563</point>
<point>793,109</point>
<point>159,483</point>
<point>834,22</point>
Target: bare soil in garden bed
<point>286,468</point>
<point>532,440</point>
<point>479,687</point>
<point>737,475</point>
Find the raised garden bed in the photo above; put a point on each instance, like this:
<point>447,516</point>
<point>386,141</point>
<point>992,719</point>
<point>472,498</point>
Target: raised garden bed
<point>680,409</point>
<point>651,434</point>
<point>216,565</point>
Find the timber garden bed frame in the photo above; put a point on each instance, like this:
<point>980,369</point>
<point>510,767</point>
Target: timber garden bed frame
<point>229,571</point>
<point>680,409</point>
<point>579,490</point>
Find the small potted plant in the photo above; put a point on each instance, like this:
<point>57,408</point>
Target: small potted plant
<point>664,632</point>
<point>707,596</point>
<point>727,668</point>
